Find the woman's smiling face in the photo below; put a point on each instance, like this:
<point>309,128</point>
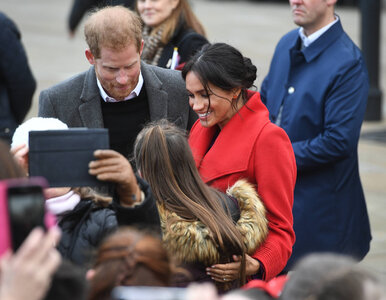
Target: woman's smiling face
<point>214,107</point>
<point>155,12</point>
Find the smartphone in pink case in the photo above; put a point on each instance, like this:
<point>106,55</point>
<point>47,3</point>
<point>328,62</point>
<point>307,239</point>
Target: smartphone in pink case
<point>22,208</point>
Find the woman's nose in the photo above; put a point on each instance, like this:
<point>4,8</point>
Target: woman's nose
<point>198,104</point>
<point>147,4</point>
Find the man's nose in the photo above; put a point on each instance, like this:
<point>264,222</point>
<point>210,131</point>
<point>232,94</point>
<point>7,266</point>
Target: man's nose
<point>295,2</point>
<point>122,77</point>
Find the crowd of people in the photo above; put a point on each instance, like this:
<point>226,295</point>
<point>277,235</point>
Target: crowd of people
<point>213,189</point>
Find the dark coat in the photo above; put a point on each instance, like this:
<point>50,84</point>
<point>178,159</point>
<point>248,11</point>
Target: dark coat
<point>188,43</point>
<point>323,89</point>
<point>83,229</point>
<point>88,223</point>
<point>17,83</point>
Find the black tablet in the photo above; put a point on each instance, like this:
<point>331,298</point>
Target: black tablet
<point>62,156</point>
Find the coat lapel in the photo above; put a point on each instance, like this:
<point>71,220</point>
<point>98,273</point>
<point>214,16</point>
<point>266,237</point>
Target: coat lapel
<point>156,95</point>
<point>90,110</point>
<point>232,150</point>
<point>323,42</point>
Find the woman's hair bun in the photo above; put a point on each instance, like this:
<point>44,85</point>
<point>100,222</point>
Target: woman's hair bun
<point>250,72</point>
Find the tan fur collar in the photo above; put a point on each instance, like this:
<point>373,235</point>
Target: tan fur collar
<point>190,242</point>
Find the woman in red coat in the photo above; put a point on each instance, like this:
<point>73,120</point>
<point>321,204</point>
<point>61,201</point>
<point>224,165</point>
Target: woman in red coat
<point>234,139</point>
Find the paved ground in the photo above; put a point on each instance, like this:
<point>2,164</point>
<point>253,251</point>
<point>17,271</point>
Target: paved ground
<point>254,28</point>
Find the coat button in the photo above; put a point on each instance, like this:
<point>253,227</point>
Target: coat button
<point>291,90</point>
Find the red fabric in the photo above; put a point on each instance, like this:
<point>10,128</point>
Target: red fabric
<point>249,146</point>
<point>180,66</point>
<point>274,287</point>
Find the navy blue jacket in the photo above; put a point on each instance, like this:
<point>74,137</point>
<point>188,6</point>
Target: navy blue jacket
<point>323,91</point>
<point>17,83</point>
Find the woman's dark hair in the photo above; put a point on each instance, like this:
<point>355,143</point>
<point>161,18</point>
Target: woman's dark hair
<point>129,257</point>
<point>8,166</point>
<point>163,156</point>
<point>223,66</point>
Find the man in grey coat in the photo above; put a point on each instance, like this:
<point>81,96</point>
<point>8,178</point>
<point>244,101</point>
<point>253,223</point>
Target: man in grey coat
<point>118,92</point>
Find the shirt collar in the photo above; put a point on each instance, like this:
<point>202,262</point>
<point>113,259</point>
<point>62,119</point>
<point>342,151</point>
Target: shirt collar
<point>134,93</point>
<point>308,40</point>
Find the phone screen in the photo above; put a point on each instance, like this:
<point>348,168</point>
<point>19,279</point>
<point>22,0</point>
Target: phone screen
<point>26,211</point>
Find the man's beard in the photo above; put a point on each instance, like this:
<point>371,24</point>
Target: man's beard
<point>111,90</point>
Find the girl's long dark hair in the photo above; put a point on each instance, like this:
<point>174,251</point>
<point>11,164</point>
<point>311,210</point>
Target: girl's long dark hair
<point>164,158</point>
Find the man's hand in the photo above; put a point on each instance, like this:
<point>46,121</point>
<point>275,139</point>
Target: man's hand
<point>113,166</point>
<point>231,271</point>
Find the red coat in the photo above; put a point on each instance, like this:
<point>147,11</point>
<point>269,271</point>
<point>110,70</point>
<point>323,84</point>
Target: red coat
<point>250,146</point>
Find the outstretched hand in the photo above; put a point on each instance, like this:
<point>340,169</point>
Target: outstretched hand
<point>27,274</point>
<point>231,271</point>
<point>114,167</point>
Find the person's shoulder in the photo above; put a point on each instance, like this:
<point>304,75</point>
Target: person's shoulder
<point>3,18</point>
<point>159,70</point>
<point>69,84</point>
<point>5,21</point>
<point>344,53</point>
<point>191,37</point>
<point>289,36</point>
<point>163,74</point>
<point>190,43</point>
<point>10,25</point>
<point>348,48</point>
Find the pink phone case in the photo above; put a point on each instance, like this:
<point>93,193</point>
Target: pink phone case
<point>5,238</point>
<point>5,233</point>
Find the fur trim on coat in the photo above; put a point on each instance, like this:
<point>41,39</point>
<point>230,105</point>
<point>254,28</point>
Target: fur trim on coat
<point>191,241</point>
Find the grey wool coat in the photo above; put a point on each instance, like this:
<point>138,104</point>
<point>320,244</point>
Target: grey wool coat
<point>76,101</point>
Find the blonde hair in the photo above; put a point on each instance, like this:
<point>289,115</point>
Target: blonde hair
<point>182,11</point>
<point>114,27</point>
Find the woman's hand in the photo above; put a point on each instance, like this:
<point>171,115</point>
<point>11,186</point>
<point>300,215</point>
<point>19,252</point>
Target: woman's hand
<point>113,166</point>
<point>27,274</point>
<point>20,153</point>
<point>231,271</point>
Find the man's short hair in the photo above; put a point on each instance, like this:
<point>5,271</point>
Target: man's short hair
<point>114,27</point>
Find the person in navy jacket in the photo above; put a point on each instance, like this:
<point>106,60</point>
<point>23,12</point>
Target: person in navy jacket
<point>316,90</point>
<point>17,82</point>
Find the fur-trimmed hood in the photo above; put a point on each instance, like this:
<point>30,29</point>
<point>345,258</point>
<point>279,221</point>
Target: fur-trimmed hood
<point>191,242</point>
